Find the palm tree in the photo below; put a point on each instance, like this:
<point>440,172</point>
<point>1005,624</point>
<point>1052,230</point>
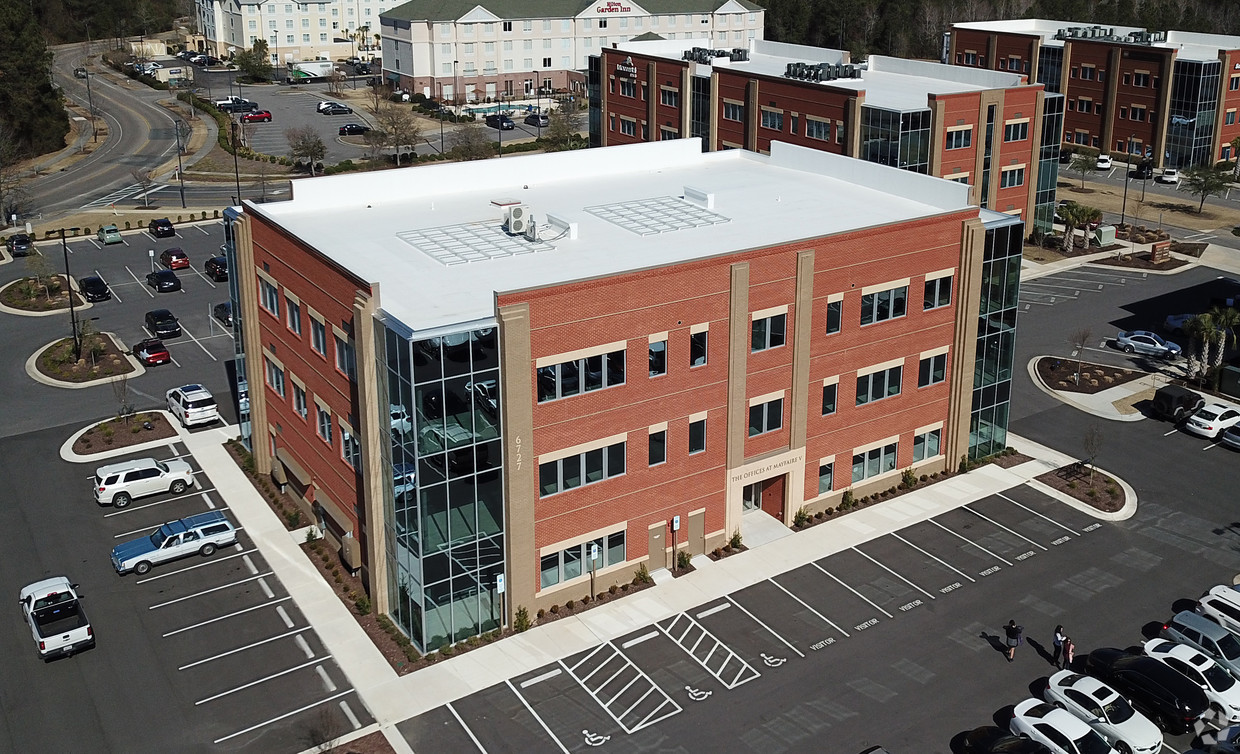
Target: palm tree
<point>1074,216</point>
<point>1225,320</point>
<point>1083,163</point>
<point>1200,331</point>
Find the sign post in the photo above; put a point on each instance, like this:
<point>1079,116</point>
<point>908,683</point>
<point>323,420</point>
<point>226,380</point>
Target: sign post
<point>593,564</point>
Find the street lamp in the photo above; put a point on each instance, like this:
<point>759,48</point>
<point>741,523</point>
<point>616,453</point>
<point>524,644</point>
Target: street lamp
<point>456,95</point>
<point>90,99</point>
<point>236,170</point>
<point>440,83</point>
<point>1124,206</point>
<point>77,342</point>
<point>538,99</point>
<point>176,125</point>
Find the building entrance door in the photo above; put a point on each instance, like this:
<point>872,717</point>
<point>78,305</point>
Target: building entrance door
<point>767,495</point>
<point>751,497</point>
<point>657,548</point>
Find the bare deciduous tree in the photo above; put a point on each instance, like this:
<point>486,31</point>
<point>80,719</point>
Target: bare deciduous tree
<point>120,391</point>
<point>399,126</point>
<point>336,81</point>
<point>563,125</point>
<point>1092,444</point>
<point>1079,339</point>
<point>472,142</point>
<point>305,143</point>
<point>143,179</point>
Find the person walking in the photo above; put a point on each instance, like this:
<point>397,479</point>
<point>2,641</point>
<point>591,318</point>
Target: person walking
<point>1015,635</point>
<point>1069,651</point>
<point>1058,643</point>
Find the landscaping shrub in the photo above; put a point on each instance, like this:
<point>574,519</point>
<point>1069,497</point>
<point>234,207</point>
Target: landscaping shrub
<point>735,541</point>
<point>642,576</point>
<point>521,621</point>
<point>801,518</point>
<point>682,559</point>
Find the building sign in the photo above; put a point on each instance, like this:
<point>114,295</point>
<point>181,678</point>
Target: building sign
<point>762,469</point>
<point>627,68</point>
<point>613,7</point>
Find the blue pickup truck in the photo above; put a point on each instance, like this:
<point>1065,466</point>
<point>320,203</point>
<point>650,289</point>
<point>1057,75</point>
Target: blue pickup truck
<point>201,534</point>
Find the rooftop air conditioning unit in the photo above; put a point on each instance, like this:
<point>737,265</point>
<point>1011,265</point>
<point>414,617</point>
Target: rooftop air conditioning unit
<point>531,230</point>
<point>517,218</point>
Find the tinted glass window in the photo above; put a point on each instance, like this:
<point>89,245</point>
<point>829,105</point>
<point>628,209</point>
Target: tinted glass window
<point>1229,647</point>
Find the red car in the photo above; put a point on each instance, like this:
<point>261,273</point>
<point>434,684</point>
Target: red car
<point>258,116</point>
<point>151,352</point>
<point>174,259</point>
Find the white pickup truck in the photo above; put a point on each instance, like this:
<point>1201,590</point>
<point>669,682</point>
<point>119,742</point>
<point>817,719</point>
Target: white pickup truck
<point>57,622</point>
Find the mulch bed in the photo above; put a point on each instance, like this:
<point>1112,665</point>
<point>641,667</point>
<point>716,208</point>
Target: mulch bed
<point>122,433</point>
<point>28,298</point>
<point>1141,262</point>
<point>1008,460</point>
<point>1104,493</point>
<point>1059,374</point>
<point>375,743</point>
<point>107,360</point>
<point>1188,249</point>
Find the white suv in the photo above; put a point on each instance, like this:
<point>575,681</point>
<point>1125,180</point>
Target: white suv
<point>192,404</point>
<point>119,483</point>
<point>1222,605</point>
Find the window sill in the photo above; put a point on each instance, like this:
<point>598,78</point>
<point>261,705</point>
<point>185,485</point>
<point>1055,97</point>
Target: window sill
<point>584,578</point>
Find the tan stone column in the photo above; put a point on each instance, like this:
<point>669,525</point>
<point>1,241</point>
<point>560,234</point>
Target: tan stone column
<point>373,436</point>
<point>964,342</point>
<point>520,474</point>
<point>247,290</point>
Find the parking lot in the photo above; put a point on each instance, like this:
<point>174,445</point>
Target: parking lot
<point>296,106</point>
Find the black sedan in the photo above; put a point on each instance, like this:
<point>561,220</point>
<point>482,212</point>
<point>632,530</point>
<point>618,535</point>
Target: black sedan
<point>1165,696</point>
<point>337,109</point>
<point>501,122</point>
<point>162,228</point>
<point>216,268</point>
<point>353,129</point>
<point>162,323</point>
<point>94,289</point>
<point>223,312</point>
<point>163,281</point>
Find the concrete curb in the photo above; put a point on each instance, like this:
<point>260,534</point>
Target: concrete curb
<point>1128,510</point>
<point>67,454</point>
<point>73,284</point>
<point>1100,413</point>
<point>1192,262</point>
<point>1048,459</point>
<point>39,377</point>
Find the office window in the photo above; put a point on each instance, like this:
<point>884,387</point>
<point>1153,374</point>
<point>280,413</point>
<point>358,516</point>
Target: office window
<point>299,400</point>
<point>926,445</point>
<point>350,448</point>
<point>960,139</point>
<point>938,292</point>
<point>1141,79</point>
<point>294,315</point>
<point>325,424</point>
<point>874,462</point>
<point>932,370</point>
<point>768,332</point>
<point>875,386</point>
<point>345,361</point>
<point>657,451</point>
<point>574,562</point>
<point>733,111</point>
<point>829,393</point>
<point>628,127</point>
<point>578,376</point>
<point>697,349</point>
<point>817,129</point>
<point>1016,131</point>
<point>772,120</point>
<point>585,468</point>
<point>669,97</point>
<point>835,313</point>
<point>766,417</point>
<point>667,134</point>
<point>1087,73</point>
<point>1229,118</point>
<point>1011,177</point>
<point>883,305</point>
<point>658,358</point>
<point>697,436</point>
<point>628,88</point>
<point>275,377</point>
<point>270,296</point>
<point>318,336</point>
<point>826,481</point>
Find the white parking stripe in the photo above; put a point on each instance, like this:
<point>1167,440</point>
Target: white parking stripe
<point>134,508</point>
<point>1001,526</point>
<point>288,622</point>
<point>205,497</point>
<point>328,684</point>
<point>145,287</point>
<point>200,345</point>
<point>105,282</point>
<point>638,640</point>
<point>252,684</point>
<point>250,565</point>
<point>849,588</point>
<point>535,715</point>
<point>540,678</point>
<point>286,715</point>
<point>231,615</point>
<point>966,539</point>
<point>266,589</point>
<point>760,623</point>
<point>1039,515</point>
<point>893,573</point>
<point>807,607</point>
<point>300,641</point>
<point>716,609</point>
<point>207,591</point>
<point>200,230</point>
<point>928,555</point>
<point>465,727</point>
<point>166,574</point>
<point>221,655</point>
<point>348,712</point>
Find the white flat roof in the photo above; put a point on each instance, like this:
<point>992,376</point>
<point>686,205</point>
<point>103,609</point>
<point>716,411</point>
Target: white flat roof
<point>1189,45</point>
<point>410,230</point>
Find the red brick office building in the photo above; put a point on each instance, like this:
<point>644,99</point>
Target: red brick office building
<point>551,370</point>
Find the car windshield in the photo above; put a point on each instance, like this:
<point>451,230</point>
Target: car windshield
<point>1092,743</point>
<point>1117,710</point>
<point>1229,647</point>
<point>158,536</point>
<point>1219,679</point>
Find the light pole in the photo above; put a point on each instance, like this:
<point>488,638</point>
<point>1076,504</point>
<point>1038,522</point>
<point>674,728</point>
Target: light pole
<point>538,99</point>
<point>236,170</point>
<point>456,94</point>
<point>440,83</point>
<point>90,99</point>
<point>77,343</point>
<point>1124,205</point>
<point>176,124</point>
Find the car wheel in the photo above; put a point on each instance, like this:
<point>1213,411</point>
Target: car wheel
<point>177,487</point>
<point>1123,748</point>
<point>121,500</point>
<point>1128,349</point>
<point>207,550</point>
<point>142,568</point>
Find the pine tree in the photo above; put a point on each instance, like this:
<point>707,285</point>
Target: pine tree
<point>30,106</point>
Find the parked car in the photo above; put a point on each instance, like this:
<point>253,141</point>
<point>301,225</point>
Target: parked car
<point>257,116</point>
<point>1142,172</point>
<point>109,234</point>
<point>537,119</point>
<point>991,740</point>
<point>1220,687</point>
<point>216,268</point>
<point>1146,342</point>
<point>163,281</point>
<point>201,534</point>
<point>337,109</point>
<point>1198,631</point>
<point>1212,420</point>
<point>151,352</point>
<point>162,324</point>
<point>1103,162</point>
<point>1168,175</point>
<point>353,129</point>
<point>118,484</point>
<point>223,312</point>
<point>174,259</point>
<point>1175,403</point>
<point>1231,437</point>
<point>53,608</point>
<point>192,405</point>
<point>1056,729</point>
<point>1163,695</point>
<point>500,121</point>
<point>18,244</point>
<point>161,228</point>
<point>1221,604</point>
<point>326,104</point>
<point>1102,708</point>
<point>1226,741</point>
<point>94,289</point>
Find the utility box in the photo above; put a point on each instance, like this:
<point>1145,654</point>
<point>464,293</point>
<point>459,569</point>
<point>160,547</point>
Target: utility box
<point>351,553</point>
<point>1104,235</point>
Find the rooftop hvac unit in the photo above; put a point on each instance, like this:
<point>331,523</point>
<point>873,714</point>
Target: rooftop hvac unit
<point>531,230</point>
<point>740,54</point>
<point>517,218</point>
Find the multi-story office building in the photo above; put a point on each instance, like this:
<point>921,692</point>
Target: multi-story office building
<point>1170,96</point>
<point>450,371</point>
<point>470,51</point>
<point>991,130</point>
<point>329,30</point>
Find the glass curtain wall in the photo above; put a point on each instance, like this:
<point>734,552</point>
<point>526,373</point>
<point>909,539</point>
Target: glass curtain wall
<point>699,112</point>
<point>1050,68</point>
<point>987,155</point>
<point>243,396</point>
<point>1048,163</point>
<point>996,335</point>
<point>898,139</point>
<point>1194,102</point>
<point>444,508</point>
<point>593,82</point>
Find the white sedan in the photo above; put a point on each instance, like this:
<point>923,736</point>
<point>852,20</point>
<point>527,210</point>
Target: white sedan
<point>1103,709</point>
<point>1057,729</point>
<point>1103,162</point>
<point>1220,687</point>
<point>1168,175</point>
<point>1212,420</point>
